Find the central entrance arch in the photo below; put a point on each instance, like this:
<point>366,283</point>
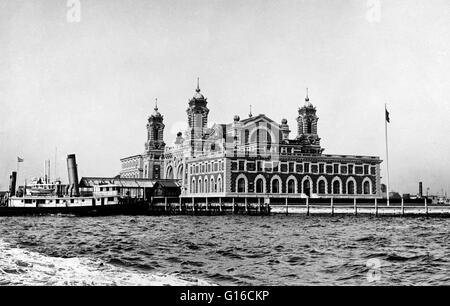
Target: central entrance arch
<point>307,186</point>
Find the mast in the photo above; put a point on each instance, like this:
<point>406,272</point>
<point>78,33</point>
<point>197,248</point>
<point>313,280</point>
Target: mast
<point>387,152</point>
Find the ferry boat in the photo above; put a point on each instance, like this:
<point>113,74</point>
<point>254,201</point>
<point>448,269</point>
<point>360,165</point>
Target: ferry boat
<point>43,197</point>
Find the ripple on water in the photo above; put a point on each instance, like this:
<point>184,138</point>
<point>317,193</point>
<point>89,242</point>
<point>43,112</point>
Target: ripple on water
<point>224,250</point>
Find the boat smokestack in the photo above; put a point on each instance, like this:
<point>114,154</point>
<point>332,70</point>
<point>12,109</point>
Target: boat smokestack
<point>12,183</point>
<point>420,189</point>
<point>73,175</point>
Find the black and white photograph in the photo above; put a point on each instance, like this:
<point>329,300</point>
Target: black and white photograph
<point>177,143</point>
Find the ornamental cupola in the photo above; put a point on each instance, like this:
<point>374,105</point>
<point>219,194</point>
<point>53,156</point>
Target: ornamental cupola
<point>307,127</point>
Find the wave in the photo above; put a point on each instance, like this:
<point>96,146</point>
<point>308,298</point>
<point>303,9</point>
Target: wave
<point>23,267</point>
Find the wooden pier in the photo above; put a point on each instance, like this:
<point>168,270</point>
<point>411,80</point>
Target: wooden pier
<point>207,206</point>
<point>305,206</point>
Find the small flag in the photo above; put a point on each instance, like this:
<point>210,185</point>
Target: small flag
<point>387,116</point>
<point>19,160</point>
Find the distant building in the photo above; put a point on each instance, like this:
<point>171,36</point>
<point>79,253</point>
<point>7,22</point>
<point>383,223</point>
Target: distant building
<point>149,164</point>
<point>253,157</point>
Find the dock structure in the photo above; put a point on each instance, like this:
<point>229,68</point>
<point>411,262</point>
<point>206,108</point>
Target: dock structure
<point>297,206</point>
<point>207,206</point>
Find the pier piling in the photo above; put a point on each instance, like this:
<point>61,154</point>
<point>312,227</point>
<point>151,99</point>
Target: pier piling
<point>403,206</point>
<point>332,207</point>
<point>307,207</point>
<point>376,207</point>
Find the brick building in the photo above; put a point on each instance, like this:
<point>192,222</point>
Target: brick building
<point>254,157</point>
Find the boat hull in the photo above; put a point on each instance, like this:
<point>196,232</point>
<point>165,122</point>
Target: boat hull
<point>106,210</point>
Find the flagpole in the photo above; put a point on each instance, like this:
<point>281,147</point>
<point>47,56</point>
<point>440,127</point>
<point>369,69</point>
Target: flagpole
<point>387,154</point>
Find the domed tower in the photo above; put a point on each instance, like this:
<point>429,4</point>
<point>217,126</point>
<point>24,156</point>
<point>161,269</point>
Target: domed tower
<point>197,119</point>
<point>198,111</point>
<point>307,128</point>
<point>284,128</point>
<point>154,147</point>
<point>155,130</point>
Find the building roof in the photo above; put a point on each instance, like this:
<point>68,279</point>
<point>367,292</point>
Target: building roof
<point>126,182</point>
<point>168,184</point>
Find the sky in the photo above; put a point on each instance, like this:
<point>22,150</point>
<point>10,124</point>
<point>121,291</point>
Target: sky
<point>82,76</point>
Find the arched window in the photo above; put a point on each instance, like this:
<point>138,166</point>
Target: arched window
<point>275,186</point>
<point>193,186</point>
<point>200,185</point>
<point>291,186</point>
<point>309,127</point>
<point>169,172</point>
<point>307,187</point>
<point>350,187</point>
<point>269,140</point>
<point>219,184</point>
<point>322,187</point>
<point>211,185</point>
<point>336,187</point>
<point>259,185</point>
<point>180,172</point>
<point>206,185</point>
<point>241,185</point>
<point>366,187</point>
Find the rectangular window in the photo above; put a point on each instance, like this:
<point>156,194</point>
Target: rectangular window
<point>336,168</point>
<point>350,169</point>
<point>314,168</point>
<point>291,167</point>
<point>329,169</point>
<point>321,168</point>
<point>358,170</point>
<point>344,169</point>
<point>306,166</point>
<point>268,166</point>
<point>242,165</point>
<point>283,167</point>
<point>373,170</point>
<point>299,168</point>
<point>366,169</point>
<point>251,166</point>
<point>276,166</point>
<point>260,166</point>
<point>234,166</point>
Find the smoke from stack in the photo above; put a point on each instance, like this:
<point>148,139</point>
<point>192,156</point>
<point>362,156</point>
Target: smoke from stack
<point>73,175</point>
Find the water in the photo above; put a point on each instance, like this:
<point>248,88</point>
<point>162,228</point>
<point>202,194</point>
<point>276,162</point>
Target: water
<point>224,250</point>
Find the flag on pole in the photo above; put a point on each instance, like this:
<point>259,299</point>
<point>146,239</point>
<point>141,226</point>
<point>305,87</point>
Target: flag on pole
<point>387,116</point>
<point>19,160</point>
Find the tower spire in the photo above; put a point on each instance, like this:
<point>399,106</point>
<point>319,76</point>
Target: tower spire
<point>250,113</point>
<point>198,85</point>
<point>307,95</point>
<point>156,104</point>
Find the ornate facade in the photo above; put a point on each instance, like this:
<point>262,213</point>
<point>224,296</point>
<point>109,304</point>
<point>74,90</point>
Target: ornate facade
<point>149,164</point>
<point>253,157</point>
<point>257,157</point>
